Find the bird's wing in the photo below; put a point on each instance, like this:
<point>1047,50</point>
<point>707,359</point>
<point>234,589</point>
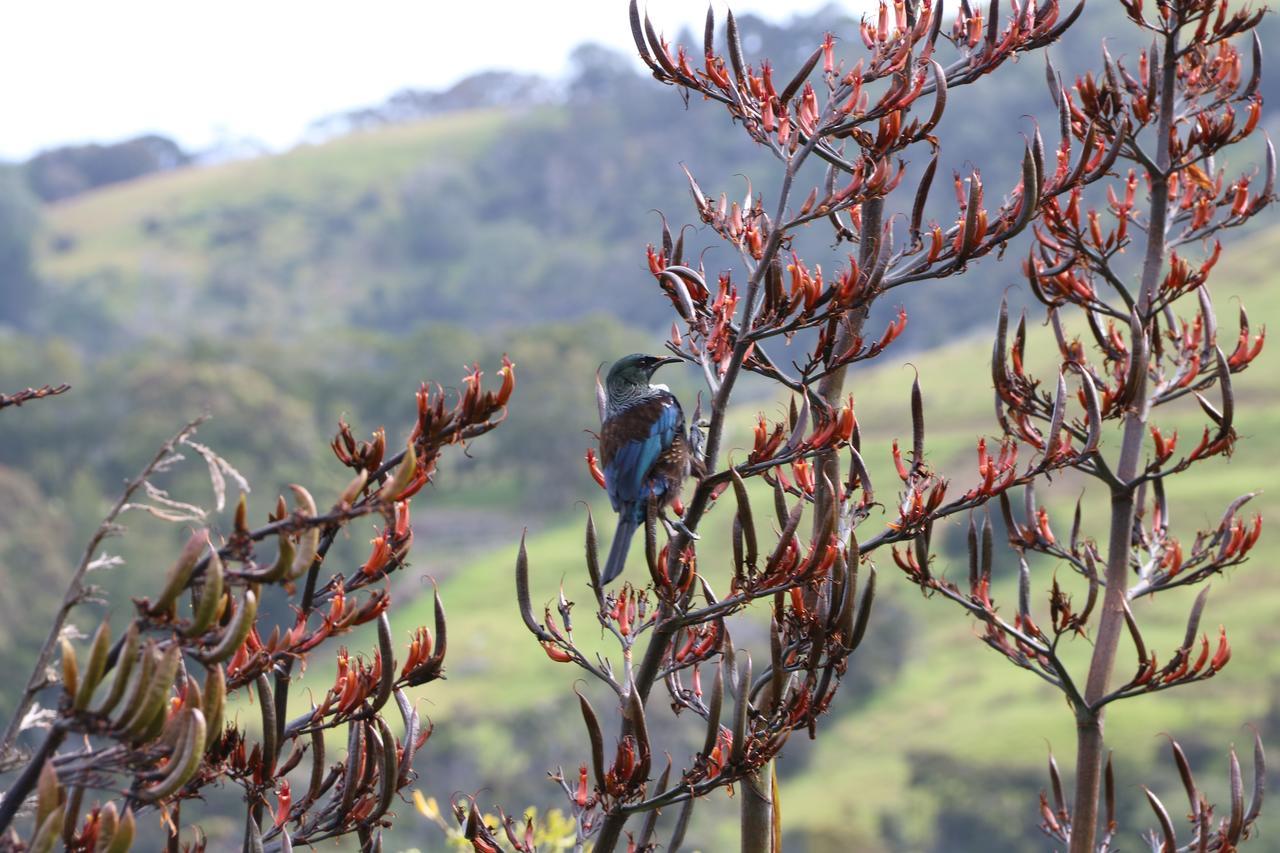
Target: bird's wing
<point>630,444</point>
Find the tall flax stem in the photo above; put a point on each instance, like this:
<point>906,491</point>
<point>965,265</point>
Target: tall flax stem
<point>1089,720</point>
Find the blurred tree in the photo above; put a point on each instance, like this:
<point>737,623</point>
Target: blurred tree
<point>19,222</point>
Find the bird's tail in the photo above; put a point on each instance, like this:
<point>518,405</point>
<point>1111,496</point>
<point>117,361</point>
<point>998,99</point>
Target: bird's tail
<point>618,550</point>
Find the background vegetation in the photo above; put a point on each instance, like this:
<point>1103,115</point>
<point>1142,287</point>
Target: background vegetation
<point>281,292</point>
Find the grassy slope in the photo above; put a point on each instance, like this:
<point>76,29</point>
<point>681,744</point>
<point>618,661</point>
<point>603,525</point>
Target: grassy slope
<point>953,697</point>
<point>283,233</point>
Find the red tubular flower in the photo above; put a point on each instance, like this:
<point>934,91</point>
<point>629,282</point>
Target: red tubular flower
<point>285,800</point>
<point>1223,654</point>
<point>556,653</point>
<point>594,468</point>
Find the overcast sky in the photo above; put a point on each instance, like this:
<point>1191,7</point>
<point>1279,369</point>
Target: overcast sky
<point>82,70</point>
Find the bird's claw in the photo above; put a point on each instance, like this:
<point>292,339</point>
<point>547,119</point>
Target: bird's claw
<point>678,526</point>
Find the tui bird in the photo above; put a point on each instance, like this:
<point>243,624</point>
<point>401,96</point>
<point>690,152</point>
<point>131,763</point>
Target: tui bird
<point>643,447</point>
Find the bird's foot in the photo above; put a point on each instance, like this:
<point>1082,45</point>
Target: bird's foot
<point>678,526</point>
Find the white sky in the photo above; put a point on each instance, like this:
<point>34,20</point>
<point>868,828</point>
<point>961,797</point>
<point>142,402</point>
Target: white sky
<point>82,70</point>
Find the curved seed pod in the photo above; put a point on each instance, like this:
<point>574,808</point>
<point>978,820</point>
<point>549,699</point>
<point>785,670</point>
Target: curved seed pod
<point>206,608</point>
<point>296,751</point>
<point>404,475</point>
<point>234,635</point>
<point>1170,844</point>
<point>270,729</point>
<point>71,814</point>
<point>780,503</point>
<point>922,197</point>
<point>96,667</point>
<point>1135,634</point>
<point>1030,191</point>
<point>108,823</point>
<point>595,736</point>
<point>137,688</point>
<point>122,838</point>
<point>49,832</point>
<point>713,710</point>
<point>388,670</point>
<point>1093,411</point>
<point>309,539</point>
<point>317,764</point>
<point>253,834</point>
<point>638,35</point>
<point>939,107</point>
<point>281,568</point>
<point>522,586</point>
<point>682,820</point>
<point>972,540</point>
<point>1235,821</point>
<point>390,771</point>
<point>998,376</point>
<point>640,728</point>
<point>788,533</point>
<point>735,49</point>
<point>411,728</point>
<point>1188,781</point>
<point>354,488</point>
<point>1259,782</point>
<point>738,752</point>
<point>185,760</point>
<point>1056,419</point>
<point>917,425</point>
<point>797,81</point>
<point>1228,396</point>
<point>776,671</point>
<point>351,775</point>
<point>645,839</point>
<point>442,634</point>
<point>124,666</point>
<point>1193,619</point>
<point>863,616</point>
<point>659,54</point>
<point>157,693</point>
<point>745,517</point>
<point>48,793</point>
<point>215,697</point>
<point>709,33</point>
<point>1024,587</point>
<point>180,573</point>
<point>592,547</point>
<point>70,667</point>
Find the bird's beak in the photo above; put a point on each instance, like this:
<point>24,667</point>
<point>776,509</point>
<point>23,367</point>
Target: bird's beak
<point>668,360</point>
